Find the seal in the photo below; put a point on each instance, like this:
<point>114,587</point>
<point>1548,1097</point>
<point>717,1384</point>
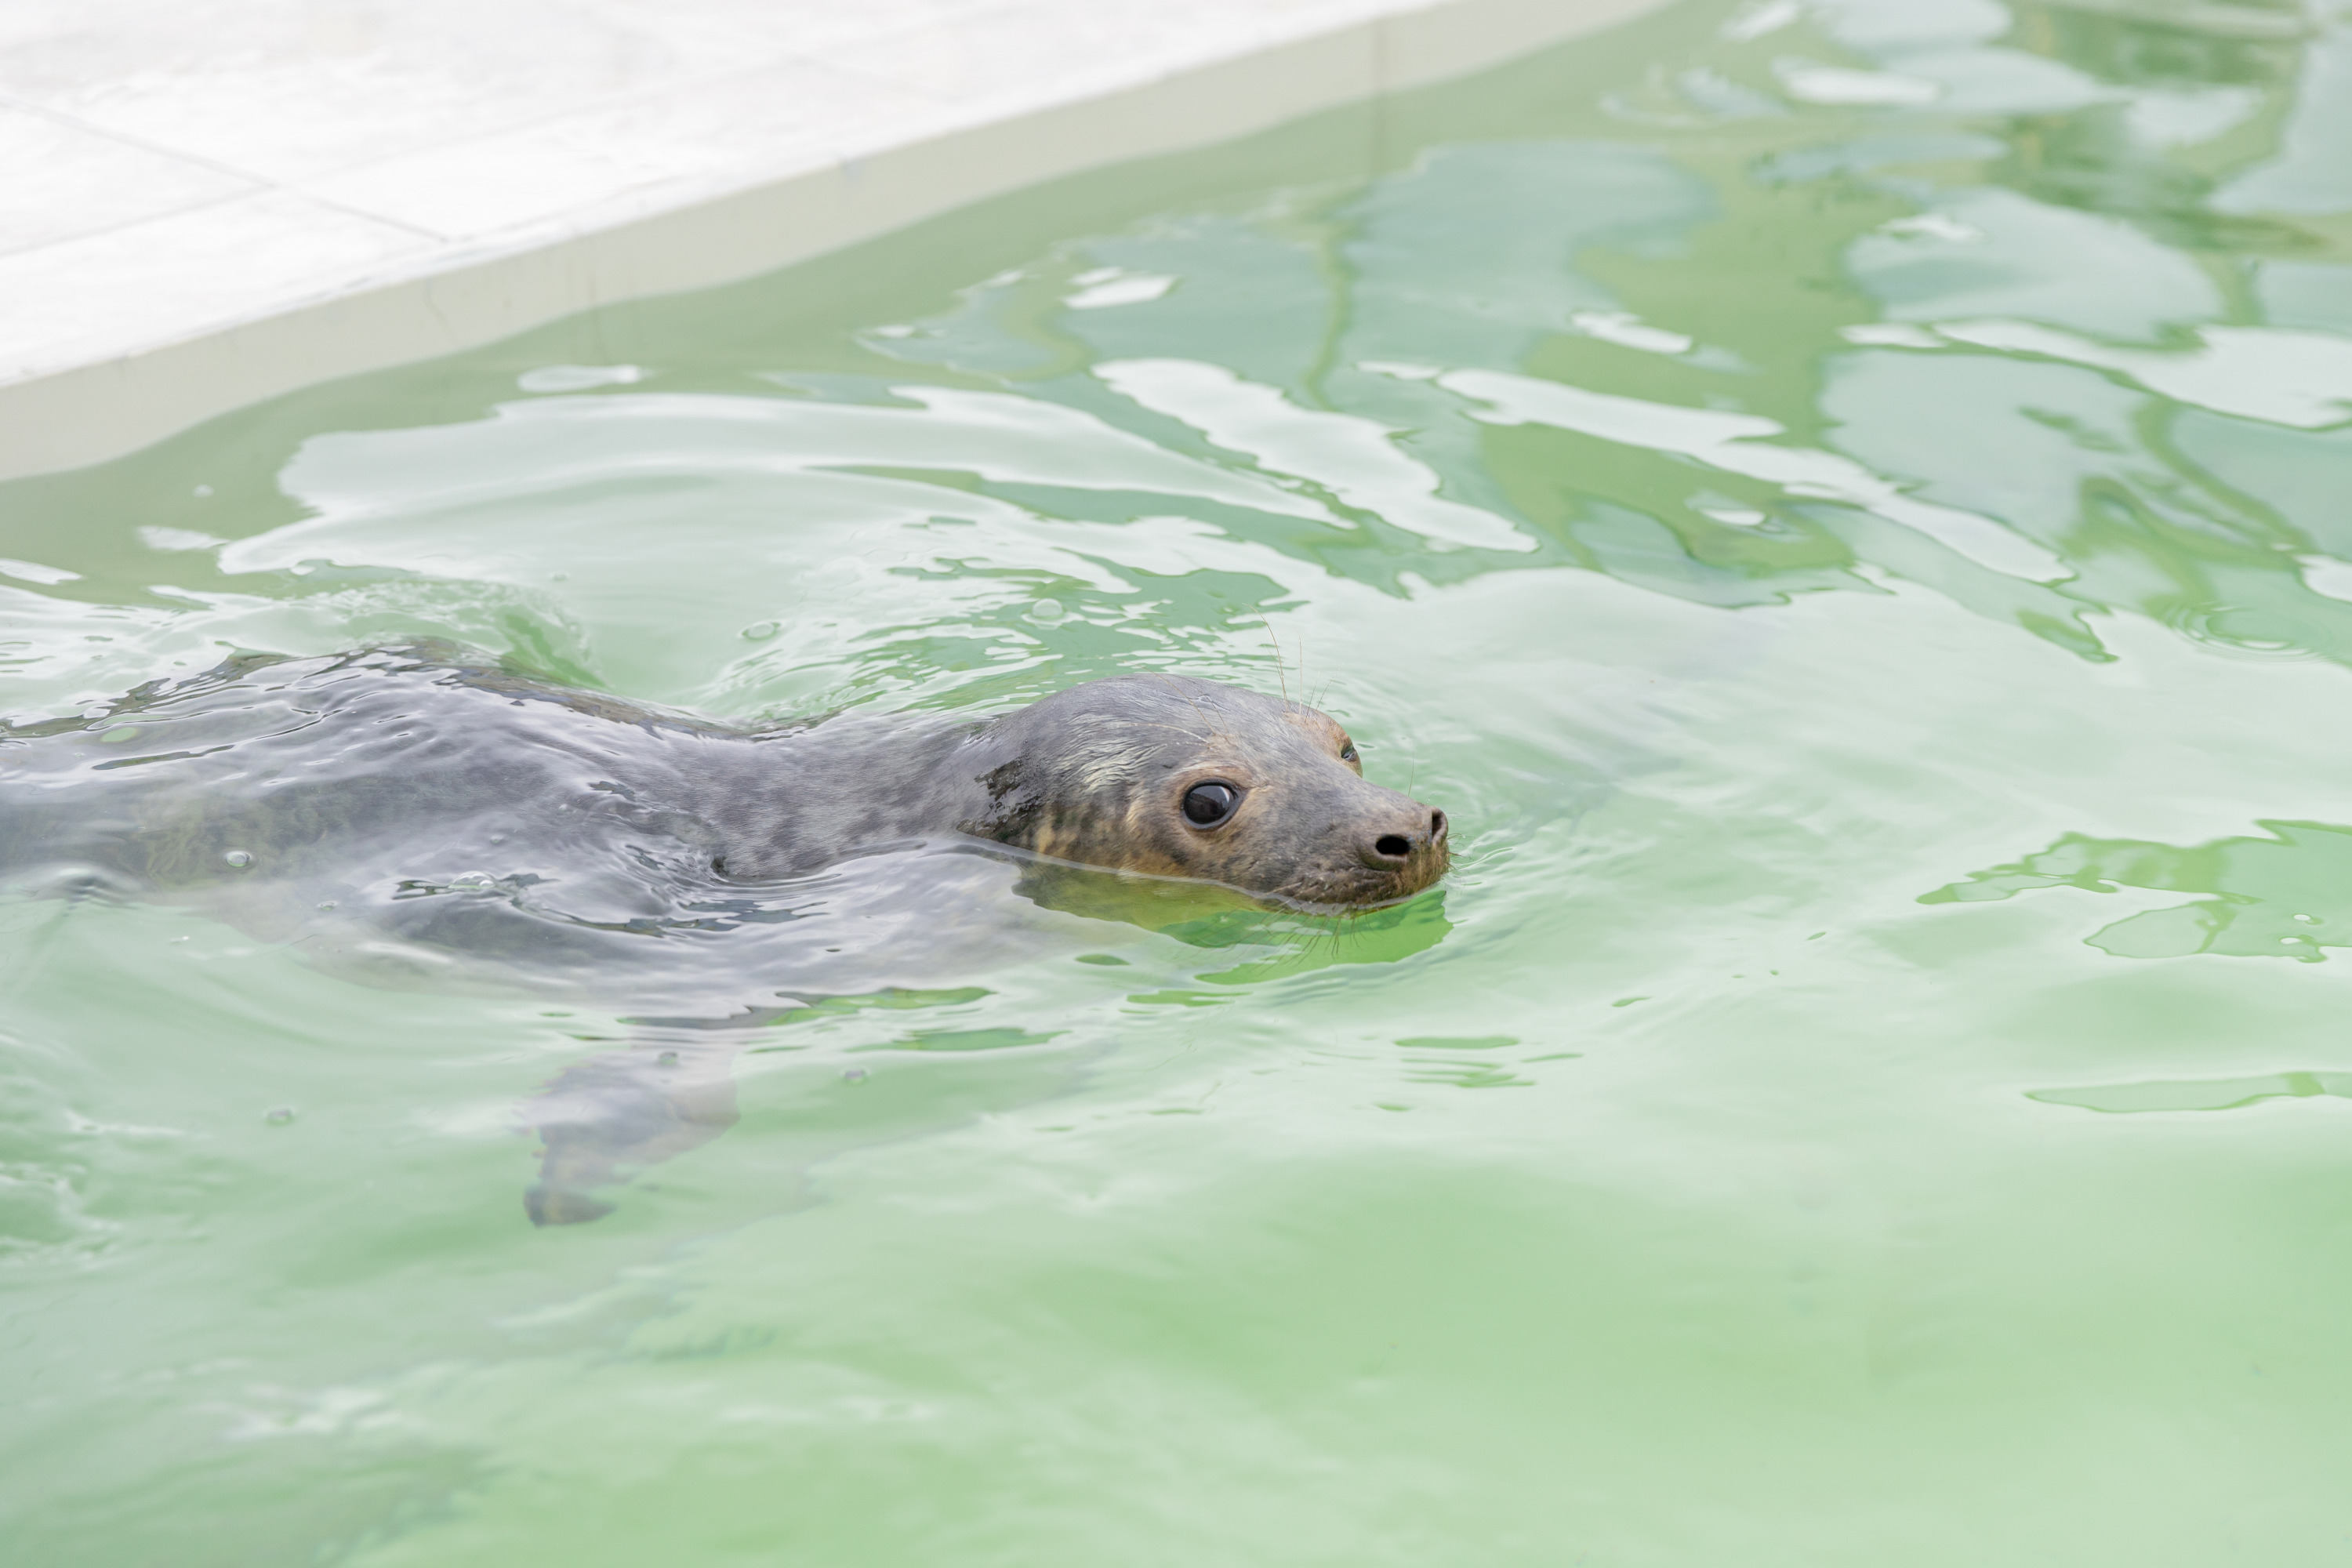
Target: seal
<point>468,808</point>
<point>289,766</point>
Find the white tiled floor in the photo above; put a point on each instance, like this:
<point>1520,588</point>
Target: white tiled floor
<point>62,181</point>
<point>769,117</point>
<point>170,168</point>
<point>163,278</point>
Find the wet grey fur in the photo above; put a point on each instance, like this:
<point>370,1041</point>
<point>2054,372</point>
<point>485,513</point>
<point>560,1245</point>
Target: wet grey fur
<point>299,768</point>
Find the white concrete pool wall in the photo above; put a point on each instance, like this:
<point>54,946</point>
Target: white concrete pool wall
<point>206,206</point>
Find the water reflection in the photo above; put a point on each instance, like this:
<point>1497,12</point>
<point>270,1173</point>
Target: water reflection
<point>2039,305</point>
<point>2288,895</point>
<point>2035,313</point>
<point>2200,1094</point>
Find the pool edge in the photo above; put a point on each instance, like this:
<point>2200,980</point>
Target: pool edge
<point>75,416</point>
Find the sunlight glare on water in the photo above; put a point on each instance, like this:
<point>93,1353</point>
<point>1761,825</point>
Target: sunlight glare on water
<point>1841,503</point>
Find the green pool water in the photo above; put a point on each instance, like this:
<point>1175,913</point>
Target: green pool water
<point>1845,507</point>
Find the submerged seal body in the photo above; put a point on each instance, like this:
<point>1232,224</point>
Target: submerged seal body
<point>422,761</point>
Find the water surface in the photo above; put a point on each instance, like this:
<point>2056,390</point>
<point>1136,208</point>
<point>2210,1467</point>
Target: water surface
<point>1841,503</point>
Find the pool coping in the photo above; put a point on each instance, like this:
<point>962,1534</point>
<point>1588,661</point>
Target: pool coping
<point>74,415</point>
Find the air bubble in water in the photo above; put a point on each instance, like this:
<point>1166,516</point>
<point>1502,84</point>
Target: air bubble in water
<point>280,1115</point>
<point>238,858</point>
<point>761,631</point>
<point>853,1075</point>
<point>1045,612</point>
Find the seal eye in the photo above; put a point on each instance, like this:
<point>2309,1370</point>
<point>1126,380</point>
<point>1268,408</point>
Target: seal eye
<point>1207,805</point>
<point>1348,752</point>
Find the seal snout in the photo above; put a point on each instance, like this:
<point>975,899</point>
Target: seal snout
<point>1406,841</point>
<point>1393,848</point>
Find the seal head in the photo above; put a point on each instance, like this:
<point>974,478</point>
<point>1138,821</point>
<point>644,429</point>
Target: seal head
<point>1171,777</point>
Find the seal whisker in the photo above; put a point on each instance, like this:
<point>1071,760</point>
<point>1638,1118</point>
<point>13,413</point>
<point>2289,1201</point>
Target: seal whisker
<point>1179,729</point>
<point>1280,675</point>
<point>1282,670</point>
<point>1214,733</point>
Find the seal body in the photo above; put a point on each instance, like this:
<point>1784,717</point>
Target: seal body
<point>398,812</point>
<point>433,769</point>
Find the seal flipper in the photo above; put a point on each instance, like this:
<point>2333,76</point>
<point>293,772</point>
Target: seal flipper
<point>604,1119</point>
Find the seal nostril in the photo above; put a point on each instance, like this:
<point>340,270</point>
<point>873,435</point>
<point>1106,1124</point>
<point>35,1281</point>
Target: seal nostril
<point>1437,825</point>
<point>1392,846</point>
